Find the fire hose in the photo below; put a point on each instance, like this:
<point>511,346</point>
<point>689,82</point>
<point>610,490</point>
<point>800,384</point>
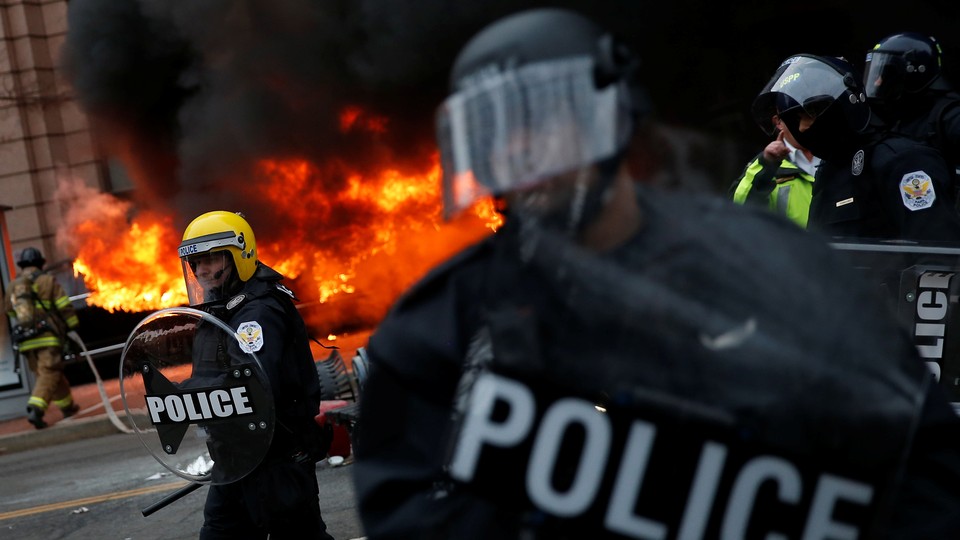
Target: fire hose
<point>111,414</point>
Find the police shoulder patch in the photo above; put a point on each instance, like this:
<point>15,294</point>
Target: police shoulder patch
<point>235,300</point>
<point>916,190</point>
<point>250,336</point>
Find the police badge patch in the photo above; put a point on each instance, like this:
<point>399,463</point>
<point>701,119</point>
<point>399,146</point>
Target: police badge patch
<point>856,166</point>
<point>916,189</point>
<point>250,335</point>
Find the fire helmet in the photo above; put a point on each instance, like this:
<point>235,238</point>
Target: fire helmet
<point>212,233</point>
<point>535,94</point>
<point>31,256</point>
<point>824,88</point>
<point>904,63</point>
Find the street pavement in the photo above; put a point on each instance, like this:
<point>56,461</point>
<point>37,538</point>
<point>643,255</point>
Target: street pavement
<point>94,420</point>
<point>17,434</point>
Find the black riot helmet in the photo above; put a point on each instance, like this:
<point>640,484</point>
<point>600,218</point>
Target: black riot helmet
<point>823,88</point>
<point>904,63</point>
<point>765,105</point>
<point>536,94</point>
<point>31,256</point>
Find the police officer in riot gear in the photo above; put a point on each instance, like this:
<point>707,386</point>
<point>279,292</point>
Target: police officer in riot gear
<point>874,183</point>
<point>224,277</point>
<point>599,367</point>
<point>904,84</point>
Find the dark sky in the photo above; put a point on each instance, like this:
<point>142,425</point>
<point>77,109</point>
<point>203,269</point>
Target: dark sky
<point>203,88</point>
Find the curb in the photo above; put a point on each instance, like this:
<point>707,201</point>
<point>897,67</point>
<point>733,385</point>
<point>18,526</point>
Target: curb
<point>63,431</point>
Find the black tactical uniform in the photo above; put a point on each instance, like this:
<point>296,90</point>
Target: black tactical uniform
<point>280,495</point>
<point>223,276</point>
<point>891,188</point>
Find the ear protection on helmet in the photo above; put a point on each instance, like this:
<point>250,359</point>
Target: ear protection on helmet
<point>616,62</point>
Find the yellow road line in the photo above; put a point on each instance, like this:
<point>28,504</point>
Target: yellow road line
<point>92,500</point>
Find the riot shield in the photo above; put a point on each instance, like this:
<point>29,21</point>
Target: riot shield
<point>665,391</point>
<point>201,404</point>
<point>918,282</point>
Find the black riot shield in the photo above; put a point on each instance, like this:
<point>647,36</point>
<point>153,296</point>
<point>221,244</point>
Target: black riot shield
<point>200,404</point>
<point>921,285</point>
<point>665,393</point>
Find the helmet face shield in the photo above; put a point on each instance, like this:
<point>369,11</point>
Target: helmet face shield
<point>511,130</point>
<point>208,265</point>
<point>811,87</point>
<point>900,64</point>
<point>884,76</point>
<point>819,100</point>
<point>800,83</point>
<point>207,276</point>
<point>810,84</point>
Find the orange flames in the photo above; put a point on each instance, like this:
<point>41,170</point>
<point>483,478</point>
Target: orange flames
<point>347,252</point>
<point>127,267</point>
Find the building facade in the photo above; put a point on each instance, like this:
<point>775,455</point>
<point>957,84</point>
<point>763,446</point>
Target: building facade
<point>44,136</point>
<point>44,139</point>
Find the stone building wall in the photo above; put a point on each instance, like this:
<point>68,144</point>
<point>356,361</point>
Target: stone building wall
<point>44,136</point>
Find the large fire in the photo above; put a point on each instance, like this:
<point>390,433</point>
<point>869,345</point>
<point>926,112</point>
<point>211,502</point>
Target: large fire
<point>348,253</point>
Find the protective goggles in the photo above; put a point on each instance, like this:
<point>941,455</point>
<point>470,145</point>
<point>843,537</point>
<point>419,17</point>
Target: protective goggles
<point>513,129</point>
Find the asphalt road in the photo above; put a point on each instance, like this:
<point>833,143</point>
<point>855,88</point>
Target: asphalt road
<point>99,487</point>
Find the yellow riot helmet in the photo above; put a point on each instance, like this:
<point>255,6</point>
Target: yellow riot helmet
<point>220,240</point>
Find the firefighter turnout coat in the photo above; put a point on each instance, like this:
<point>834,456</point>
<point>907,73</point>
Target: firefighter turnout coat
<point>51,308</point>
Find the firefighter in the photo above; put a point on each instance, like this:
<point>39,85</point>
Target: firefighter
<point>603,365</point>
<point>43,316</point>
<point>873,183</point>
<point>225,278</point>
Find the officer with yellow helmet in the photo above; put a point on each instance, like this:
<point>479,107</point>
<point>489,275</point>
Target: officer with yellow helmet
<point>225,278</point>
<point>218,254</point>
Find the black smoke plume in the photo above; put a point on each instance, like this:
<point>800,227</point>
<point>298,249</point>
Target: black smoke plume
<point>192,93</point>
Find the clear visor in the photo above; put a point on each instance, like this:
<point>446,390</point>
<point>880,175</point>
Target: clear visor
<point>811,84</point>
<point>884,75</point>
<point>206,275</point>
<point>511,130</point>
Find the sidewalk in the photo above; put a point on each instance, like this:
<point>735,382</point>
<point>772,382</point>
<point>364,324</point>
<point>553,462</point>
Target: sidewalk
<point>17,435</point>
